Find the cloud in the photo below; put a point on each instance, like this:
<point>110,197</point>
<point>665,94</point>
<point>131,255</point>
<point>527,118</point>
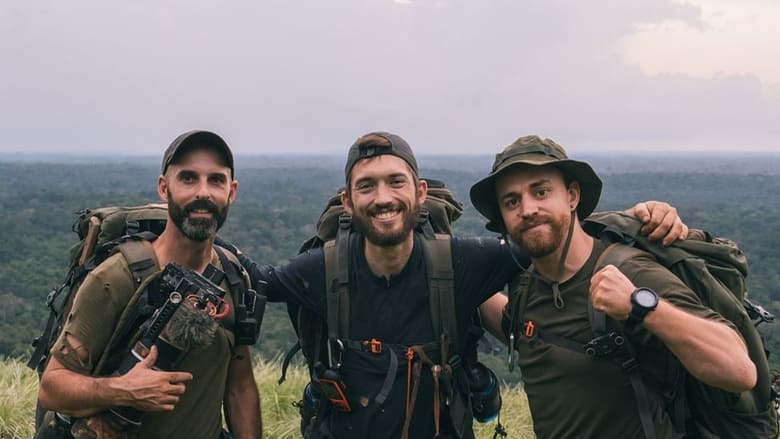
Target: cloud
<point>735,38</point>
<point>306,75</point>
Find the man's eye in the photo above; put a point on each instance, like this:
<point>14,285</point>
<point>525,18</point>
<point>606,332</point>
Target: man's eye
<point>542,192</point>
<point>397,182</point>
<point>363,186</point>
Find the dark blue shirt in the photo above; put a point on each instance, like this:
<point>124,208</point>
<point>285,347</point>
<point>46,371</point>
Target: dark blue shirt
<point>396,311</point>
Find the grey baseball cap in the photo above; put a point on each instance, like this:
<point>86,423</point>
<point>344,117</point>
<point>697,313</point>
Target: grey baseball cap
<point>365,147</point>
<point>531,150</point>
<point>197,138</point>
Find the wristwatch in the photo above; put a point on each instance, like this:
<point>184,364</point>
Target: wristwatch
<point>643,301</point>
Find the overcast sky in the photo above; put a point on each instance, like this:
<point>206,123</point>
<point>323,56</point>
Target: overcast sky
<point>460,76</point>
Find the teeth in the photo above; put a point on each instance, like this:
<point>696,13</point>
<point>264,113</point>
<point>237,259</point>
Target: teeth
<point>385,215</point>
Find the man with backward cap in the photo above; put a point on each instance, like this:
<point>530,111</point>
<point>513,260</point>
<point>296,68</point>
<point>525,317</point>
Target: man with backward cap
<point>388,296</point>
<point>536,195</point>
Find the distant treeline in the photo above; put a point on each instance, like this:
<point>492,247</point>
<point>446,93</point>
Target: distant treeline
<point>277,208</point>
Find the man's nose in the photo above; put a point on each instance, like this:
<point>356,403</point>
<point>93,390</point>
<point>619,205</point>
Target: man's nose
<point>383,194</point>
<point>528,208</point>
<point>203,191</point>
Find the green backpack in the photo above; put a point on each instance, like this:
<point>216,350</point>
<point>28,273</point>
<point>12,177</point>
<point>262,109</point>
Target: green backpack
<point>715,269</point>
<point>129,230</point>
<point>333,232</point>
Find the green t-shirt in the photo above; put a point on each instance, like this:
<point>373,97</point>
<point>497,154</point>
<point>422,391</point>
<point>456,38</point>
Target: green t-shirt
<point>96,310</point>
<point>572,395</point>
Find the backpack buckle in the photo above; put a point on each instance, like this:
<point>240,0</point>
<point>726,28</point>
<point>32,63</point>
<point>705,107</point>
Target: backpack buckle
<point>758,312</point>
<point>604,345</point>
<point>374,346</point>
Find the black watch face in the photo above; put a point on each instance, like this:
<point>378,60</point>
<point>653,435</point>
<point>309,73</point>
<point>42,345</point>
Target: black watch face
<point>645,298</point>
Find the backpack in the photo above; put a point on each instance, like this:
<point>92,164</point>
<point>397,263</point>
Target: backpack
<point>129,230</point>
<point>333,233</point>
<point>714,268</point>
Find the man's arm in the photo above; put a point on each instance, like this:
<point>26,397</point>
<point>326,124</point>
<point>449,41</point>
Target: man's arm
<point>709,349</point>
<point>491,311</point>
<point>242,399</point>
<point>142,388</point>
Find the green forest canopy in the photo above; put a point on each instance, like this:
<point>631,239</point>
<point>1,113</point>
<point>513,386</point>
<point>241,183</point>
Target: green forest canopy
<point>280,199</point>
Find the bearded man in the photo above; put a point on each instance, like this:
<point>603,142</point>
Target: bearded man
<point>197,183</point>
<point>371,384</point>
<point>537,196</point>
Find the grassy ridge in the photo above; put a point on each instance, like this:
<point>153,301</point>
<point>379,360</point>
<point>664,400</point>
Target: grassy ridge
<point>19,385</point>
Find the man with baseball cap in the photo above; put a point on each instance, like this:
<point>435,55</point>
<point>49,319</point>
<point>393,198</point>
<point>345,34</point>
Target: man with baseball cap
<point>197,183</point>
<point>537,196</point>
<point>368,391</point>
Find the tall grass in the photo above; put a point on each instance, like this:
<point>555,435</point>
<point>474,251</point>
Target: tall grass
<point>19,386</point>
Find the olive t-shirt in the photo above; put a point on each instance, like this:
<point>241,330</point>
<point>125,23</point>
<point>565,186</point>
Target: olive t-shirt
<point>97,307</point>
<point>572,395</point>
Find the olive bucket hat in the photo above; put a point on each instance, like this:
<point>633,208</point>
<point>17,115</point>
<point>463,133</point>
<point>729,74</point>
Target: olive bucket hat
<point>531,150</point>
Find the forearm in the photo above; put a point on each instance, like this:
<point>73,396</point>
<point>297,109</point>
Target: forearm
<point>491,311</point>
<point>711,351</point>
<point>78,395</point>
<point>242,399</point>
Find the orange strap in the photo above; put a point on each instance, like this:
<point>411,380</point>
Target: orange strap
<point>416,366</point>
<point>435,371</point>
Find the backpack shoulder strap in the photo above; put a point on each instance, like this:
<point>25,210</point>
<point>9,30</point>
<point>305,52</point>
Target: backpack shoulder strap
<point>437,251</point>
<point>234,273</point>
<point>336,255</point>
<point>138,252</point>
<point>249,304</point>
<point>615,254</point>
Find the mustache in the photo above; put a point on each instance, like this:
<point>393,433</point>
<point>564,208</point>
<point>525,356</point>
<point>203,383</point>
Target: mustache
<point>531,222</point>
<point>201,205</point>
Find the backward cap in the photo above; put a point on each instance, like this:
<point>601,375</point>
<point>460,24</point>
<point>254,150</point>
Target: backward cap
<point>197,138</point>
<point>532,150</point>
<point>365,147</point>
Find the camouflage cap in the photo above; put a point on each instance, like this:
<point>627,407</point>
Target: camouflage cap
<point>378,143</point>
<point>197,138</point>
<point>532,150</point>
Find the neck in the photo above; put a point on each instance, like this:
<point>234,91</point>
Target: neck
<point>580,248</point>
<point>386,261</point>
<point>172,246</point>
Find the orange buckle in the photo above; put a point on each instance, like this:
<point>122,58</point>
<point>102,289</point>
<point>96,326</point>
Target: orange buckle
<point>374,346</point>
<point>530,329</point>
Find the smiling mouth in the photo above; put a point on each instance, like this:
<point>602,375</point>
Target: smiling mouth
<point>386,215</point>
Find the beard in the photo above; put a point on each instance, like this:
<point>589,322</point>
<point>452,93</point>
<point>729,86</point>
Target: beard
<point>383,237</point>
<point>544,241</point>
<point>197,229</point>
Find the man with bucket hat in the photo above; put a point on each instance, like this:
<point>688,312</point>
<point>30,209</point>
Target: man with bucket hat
<point>536,196</point>
<point>373,393</point>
